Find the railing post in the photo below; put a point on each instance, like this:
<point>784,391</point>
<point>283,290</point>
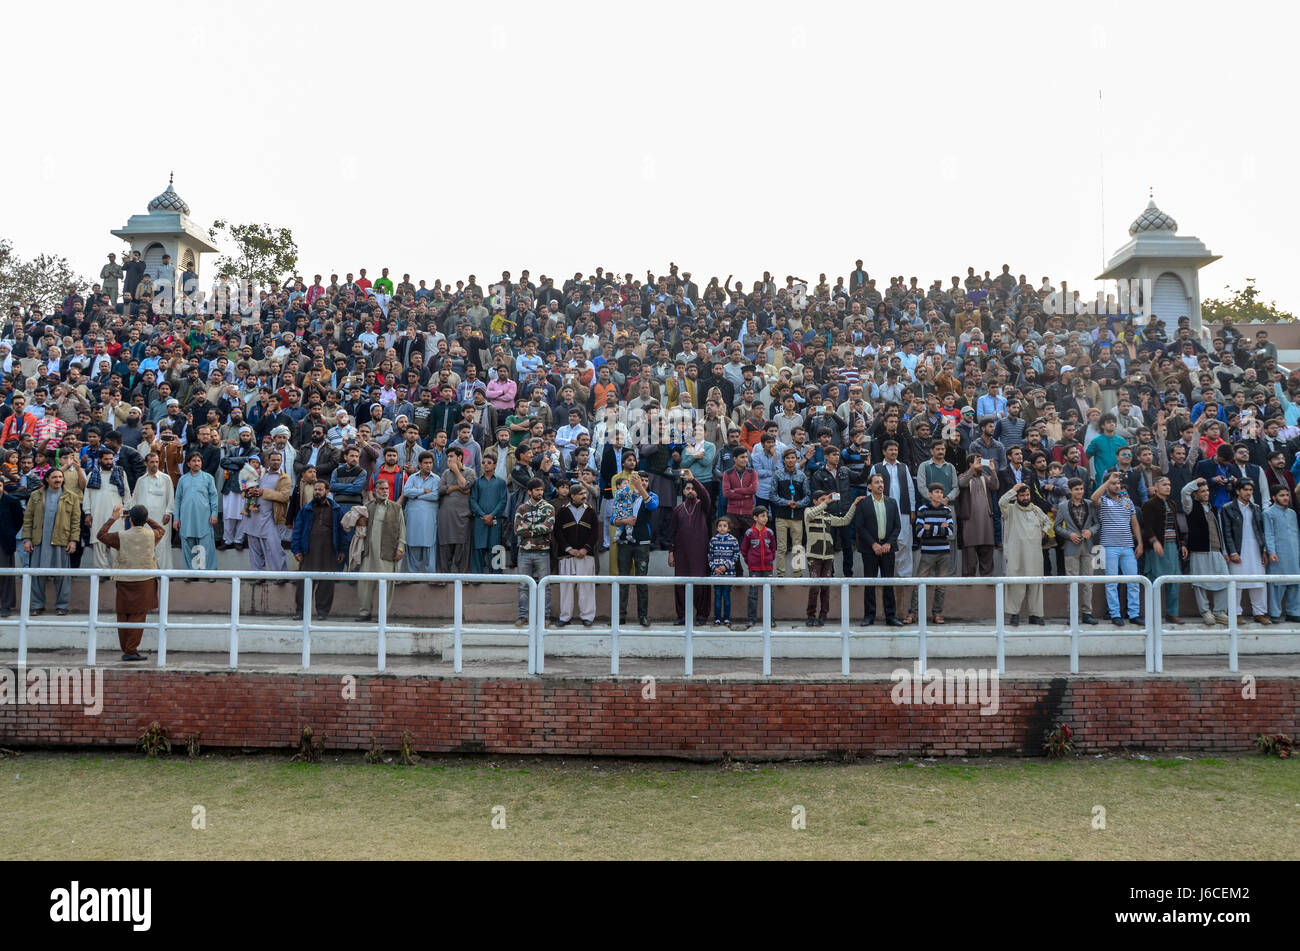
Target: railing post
<point>24,615</point>
<point>767,629</point>
<point>539,622</point>
<point>532,637</point>
<point>690,621</point>
<point>613,628</point>
<point>922,654</point>
<point>234,622</point>
<point>1074,628</point>
<point>308,608</point>
<point>844,628</point>
<point>381,640</point>
<point>1154,625</point>
<point>1233,605</point>
<point>164,599</point>
<point>92,628</point>
<point>999,608</point>
<point>457,639</point>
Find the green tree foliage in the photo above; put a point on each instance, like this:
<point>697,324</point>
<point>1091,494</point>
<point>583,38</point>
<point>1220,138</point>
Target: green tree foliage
<point>41,281</point>
<point>263,256</point>
<point>1244,307</point>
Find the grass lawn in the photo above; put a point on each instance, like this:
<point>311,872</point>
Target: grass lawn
<point>119,806</point>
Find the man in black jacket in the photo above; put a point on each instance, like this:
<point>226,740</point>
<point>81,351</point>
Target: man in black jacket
<point>877,525</point>
<point>11,523</point>
<point>132,463</point>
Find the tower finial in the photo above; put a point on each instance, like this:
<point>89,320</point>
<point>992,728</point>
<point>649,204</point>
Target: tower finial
<point>171,178</point>
<point>1151,192</point>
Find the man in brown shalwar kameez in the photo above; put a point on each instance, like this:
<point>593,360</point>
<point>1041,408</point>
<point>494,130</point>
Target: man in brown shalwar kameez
<point>135,551</point>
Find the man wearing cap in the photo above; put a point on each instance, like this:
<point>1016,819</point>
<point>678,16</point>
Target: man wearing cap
<point>111,275</point>
<point>232,500</point>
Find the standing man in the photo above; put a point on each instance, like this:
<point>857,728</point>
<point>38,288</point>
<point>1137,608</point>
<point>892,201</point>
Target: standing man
<point>1023,526</point>
<point>1166,546</point>
<point>51,528</point>
<point>976,491</point>
<point>1282,538</point>
<point>136,597</point>
<point>385,545</point>
<point>533,526</point>
<point>900,485</point>
<point>262,526</point>
<point>1205,550</point>
<point>154,491</point>
<point>1245,546</point>
<point>105,490</point>
<point>577,539</point>
<point>877,525</point>
<point>11,527</point>
<point>629,515</point>
<point>789,498</point>
<point>820,527</point>
<point>455,531</point>
<point>1076,523</point>
<point>111,275</point>
<point>739,488</point>
<point>196,508</point>
<point>1121,538</point>
<point>688,546</point>
<point>420,495</point>
<point>318,545</point>
<point>488,498</point>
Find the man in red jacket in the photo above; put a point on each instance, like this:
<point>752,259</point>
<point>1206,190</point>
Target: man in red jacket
<point>758,549</point>
<point>739,487</point>
<point>18,422</point>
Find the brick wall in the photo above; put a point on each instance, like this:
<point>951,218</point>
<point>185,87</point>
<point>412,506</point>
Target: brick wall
<point>696,719</point>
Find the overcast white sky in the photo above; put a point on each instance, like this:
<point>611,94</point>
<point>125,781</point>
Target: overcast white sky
<point>728,137</point>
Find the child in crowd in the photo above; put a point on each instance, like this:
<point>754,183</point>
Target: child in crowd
<point>758,548</point>
<point>724,559</point>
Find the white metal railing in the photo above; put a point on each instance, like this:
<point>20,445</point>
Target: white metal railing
<point>380,626</point>
<point>846,632</point>
<point>1233,594</point>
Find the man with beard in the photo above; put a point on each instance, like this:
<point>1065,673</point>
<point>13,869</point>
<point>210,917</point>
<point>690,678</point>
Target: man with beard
<point>318,545</point>
<point>455,532</point>
<point>155,492</point>
<point>105,490</point>
<point>420,496</point>
<point>262,526</point>
<point>232,500</point>
<point>197,503</point>
<point>385,545</point>
<point>317,453</point>
<point>1024,525</point>
<point>687,541</point>
<point>577,539</point>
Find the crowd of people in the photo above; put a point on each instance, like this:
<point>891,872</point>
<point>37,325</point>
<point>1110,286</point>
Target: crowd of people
<point>539,427</point>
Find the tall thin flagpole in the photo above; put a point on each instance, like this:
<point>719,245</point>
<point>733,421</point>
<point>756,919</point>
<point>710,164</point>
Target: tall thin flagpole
<point>1101,147</point>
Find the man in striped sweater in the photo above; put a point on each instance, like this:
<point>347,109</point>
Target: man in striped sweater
<point>935,529</point>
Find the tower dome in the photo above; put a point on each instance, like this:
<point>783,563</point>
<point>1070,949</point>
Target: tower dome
<point>1152,219</point>
<point>169,202</point>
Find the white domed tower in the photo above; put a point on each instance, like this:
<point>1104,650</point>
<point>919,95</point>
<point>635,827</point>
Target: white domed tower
<point>1156,252</point>
<point>166,228</point>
